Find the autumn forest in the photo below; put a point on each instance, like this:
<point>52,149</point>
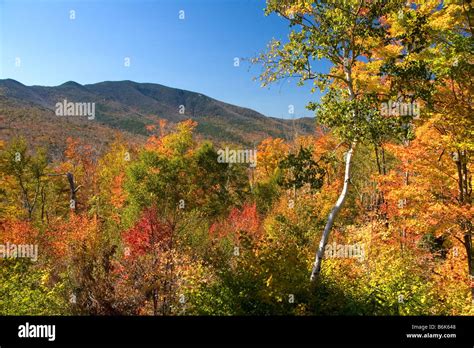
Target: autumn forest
<point>369,213</point>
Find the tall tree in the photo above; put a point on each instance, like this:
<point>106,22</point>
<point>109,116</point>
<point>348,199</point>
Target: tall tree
<point>345,33</point>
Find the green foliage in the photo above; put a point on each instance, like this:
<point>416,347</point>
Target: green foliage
<point>26,289</point>
<point>359,119</point>
<point>186,180</point>
<point>25,172</point>
<point>301,169</point>
<point>266,193</point>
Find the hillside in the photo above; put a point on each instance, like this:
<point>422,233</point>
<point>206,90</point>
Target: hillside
<point>129,107</point>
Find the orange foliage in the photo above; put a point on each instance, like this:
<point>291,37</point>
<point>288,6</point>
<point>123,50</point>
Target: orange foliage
<point>246,221</point>
<point>18,232</point>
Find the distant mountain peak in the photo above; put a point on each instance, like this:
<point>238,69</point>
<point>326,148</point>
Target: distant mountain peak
<point>71,83</point>
<point>11,82</point>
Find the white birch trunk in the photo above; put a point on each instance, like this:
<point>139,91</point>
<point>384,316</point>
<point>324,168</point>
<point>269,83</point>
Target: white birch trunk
<point>332,215</point>
<point>342,197</point>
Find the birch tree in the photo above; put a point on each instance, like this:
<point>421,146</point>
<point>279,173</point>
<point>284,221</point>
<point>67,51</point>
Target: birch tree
<point>353,37</point>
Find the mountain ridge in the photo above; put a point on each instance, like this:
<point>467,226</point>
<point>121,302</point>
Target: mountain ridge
<point>130,106</point>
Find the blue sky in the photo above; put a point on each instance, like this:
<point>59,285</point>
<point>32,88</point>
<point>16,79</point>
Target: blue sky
<point>195,53</point>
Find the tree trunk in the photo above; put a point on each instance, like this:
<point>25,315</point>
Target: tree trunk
<point>383,161</point>
<point>470,262</point>
<point>460,178</point>
<point>332,215</point>
<point>72,189</point>
<point>466,226</point>
<point>377,159</point>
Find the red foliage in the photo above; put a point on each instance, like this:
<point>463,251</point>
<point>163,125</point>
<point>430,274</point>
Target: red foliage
<point>147,233</point>
<point>246,220</point>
